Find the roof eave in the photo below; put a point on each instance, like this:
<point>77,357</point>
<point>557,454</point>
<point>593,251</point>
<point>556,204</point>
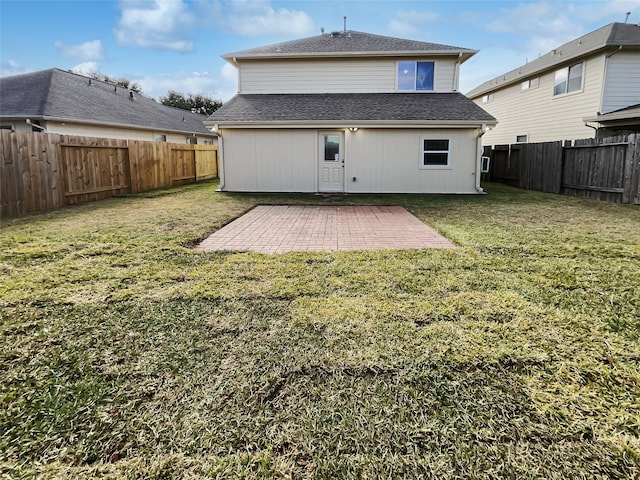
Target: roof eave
<point>105,124</point>
<point>352,123</point>
<point>233,58</point>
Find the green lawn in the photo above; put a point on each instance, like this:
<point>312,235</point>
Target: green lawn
<point>127,354</point>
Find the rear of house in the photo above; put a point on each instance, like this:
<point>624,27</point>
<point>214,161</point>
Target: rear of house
<point>350,112</point>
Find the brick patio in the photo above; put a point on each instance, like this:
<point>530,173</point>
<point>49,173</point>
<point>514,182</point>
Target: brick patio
<point>286,228</point>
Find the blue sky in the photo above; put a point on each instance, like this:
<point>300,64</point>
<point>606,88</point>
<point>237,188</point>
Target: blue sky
<point>176,44</point>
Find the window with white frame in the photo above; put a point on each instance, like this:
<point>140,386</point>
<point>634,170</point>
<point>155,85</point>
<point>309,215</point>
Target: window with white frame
<point>487,98</point>
<point>530,84</point>
<point>568,79</point>
<point>414,76</point>
<point>522,138</point>
<point>435,153</point>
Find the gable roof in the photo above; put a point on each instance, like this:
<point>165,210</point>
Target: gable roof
<point>59,95</point>
<point>614,35</point>
<point>351,109</point>
<point>348,43</point>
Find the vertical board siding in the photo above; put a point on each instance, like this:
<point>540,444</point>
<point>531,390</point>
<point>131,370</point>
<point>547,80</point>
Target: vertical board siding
<point>604,169</point>
<point>44,171</point>
<point>622,81</point>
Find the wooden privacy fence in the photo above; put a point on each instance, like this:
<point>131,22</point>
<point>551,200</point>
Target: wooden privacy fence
<point>40,171</point>
<point>605,169</point>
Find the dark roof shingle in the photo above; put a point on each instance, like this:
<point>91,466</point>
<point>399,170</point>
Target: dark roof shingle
<point>351,107</point>
<point>349,42</point>
<point>57,94</point>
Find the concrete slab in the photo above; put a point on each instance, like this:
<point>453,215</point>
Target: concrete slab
<point>287,228</point>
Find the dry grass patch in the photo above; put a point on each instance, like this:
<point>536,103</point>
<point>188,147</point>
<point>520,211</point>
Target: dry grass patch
<point>127,354</point>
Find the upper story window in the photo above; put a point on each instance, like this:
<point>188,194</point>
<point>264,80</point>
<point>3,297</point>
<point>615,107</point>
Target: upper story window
<point>487,98</point>
<point>529,84</point>
<point>568,79</point>
<point>414,76</point>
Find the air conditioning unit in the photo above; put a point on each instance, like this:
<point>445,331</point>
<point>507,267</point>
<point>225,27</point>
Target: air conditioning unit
<point>484,164</point>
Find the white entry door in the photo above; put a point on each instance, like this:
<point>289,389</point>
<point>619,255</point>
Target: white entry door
<point>331,162</point>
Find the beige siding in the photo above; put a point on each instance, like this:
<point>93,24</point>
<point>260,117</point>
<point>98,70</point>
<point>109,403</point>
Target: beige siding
<point>542,116</point>
<point>381,160</point>
<point>333,76</point>
<point>271,160</point>
<point>117,132</point>
<point>622,81</point>
<point>388,161</point>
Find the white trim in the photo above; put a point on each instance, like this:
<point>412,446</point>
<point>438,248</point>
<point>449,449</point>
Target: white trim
<point>422,166</point>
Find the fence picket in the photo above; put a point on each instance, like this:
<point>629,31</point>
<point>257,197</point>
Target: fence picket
<point>40,171</point>
<point>606,169</point>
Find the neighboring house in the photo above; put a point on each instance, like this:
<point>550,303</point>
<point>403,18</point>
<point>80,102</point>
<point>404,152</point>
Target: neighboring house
<point>350,112</point>
<point>61,102</point>
<point>623,121</point>
<point>564,94</point>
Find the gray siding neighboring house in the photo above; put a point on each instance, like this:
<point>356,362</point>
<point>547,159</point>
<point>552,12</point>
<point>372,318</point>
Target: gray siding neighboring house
<point>564,94</point>
<point>61,102</point>
<point>350,112</point>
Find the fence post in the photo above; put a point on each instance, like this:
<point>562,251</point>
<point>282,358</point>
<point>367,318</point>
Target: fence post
<point>631,171</point>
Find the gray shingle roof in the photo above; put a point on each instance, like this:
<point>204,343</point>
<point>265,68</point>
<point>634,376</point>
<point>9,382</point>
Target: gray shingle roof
<point>342,108</point>
<point>56,94</point>
<point>349,42</point>
<point>609,36</point>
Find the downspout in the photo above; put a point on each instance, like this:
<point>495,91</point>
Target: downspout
<point>483,130</point>
<point>456,73</point>
<point>29,122</point>
<point>220,160</point>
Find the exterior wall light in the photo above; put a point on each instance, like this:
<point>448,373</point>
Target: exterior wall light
<point>353,129</point>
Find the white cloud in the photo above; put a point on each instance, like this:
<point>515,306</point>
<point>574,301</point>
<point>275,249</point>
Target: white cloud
<point>215,85</point>
<point>89,51</point>
<point>11,67</point>
<point>86,68</point>
<point>162,24</point>
<point>541,24</point>
<point>411,23</point>
<point>612,10</point>
<point>258,17</point>
<point>489,63</point>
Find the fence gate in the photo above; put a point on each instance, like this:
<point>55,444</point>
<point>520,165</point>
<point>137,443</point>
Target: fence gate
<point>94,172</point>
<point>183,166</point>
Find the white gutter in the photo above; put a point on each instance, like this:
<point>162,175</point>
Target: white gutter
<point>456,74</point>
<point>267,124</point>
<point>484,129</point>
<point>220,159</point>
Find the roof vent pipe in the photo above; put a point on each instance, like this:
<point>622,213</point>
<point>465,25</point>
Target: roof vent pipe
<point>131,95</point>
<point>345,24</point>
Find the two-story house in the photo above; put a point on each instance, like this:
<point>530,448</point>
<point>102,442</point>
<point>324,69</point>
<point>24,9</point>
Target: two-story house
<point>568,93</point>
<point>56,101</point>
<point>350,112</point>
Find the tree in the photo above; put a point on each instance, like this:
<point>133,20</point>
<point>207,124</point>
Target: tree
<point>196,103</point>
<point>120,82</point>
